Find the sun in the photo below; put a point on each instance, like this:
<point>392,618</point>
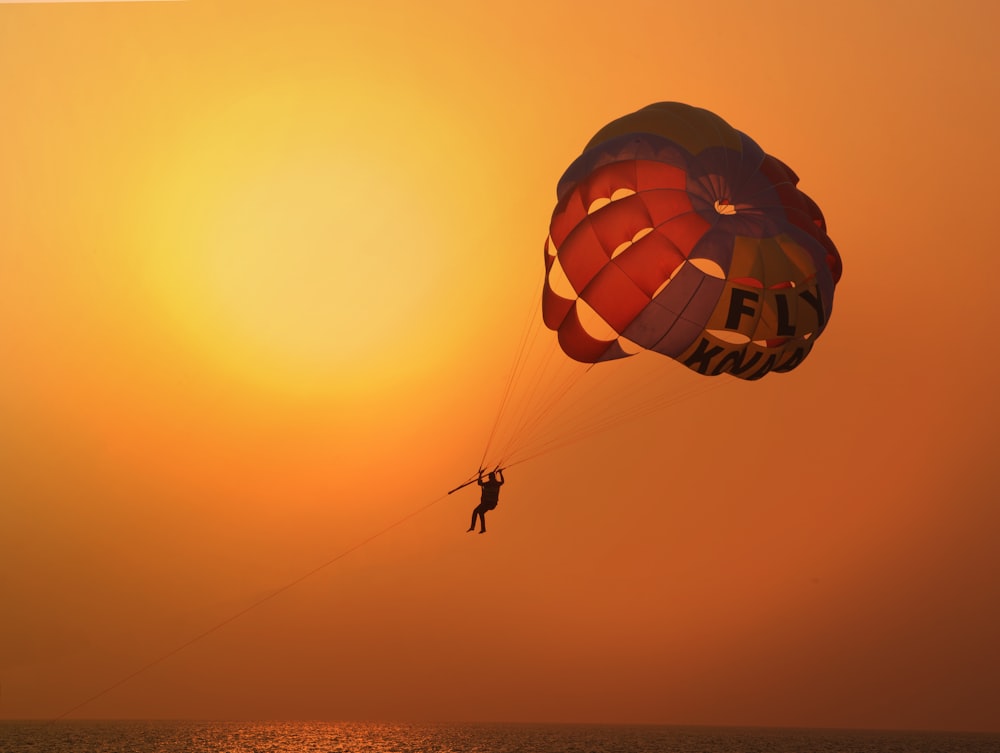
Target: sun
<point>303,258</point>
<point>319,261</point>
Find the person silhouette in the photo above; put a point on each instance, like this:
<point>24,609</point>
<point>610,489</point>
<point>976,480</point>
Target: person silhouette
<point>489,498</point>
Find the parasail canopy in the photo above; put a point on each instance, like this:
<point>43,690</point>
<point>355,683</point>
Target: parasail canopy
<point>675,233</point>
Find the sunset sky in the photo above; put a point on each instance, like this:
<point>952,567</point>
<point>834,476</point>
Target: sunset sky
<point>264,267</point>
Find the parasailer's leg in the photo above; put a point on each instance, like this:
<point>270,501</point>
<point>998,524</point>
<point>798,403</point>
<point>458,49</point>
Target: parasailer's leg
<point>482,520</point>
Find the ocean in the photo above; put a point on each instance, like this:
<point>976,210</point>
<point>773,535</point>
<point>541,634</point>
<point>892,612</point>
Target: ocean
<point>330,737</point>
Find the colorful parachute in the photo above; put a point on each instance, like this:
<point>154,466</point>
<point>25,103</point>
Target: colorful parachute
<point>676,233</point>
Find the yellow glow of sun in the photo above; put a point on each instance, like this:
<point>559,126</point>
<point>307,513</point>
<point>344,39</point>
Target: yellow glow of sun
<point>297,256</point>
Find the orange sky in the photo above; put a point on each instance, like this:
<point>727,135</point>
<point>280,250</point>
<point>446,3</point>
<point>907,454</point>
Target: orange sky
<point>263,267</point>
